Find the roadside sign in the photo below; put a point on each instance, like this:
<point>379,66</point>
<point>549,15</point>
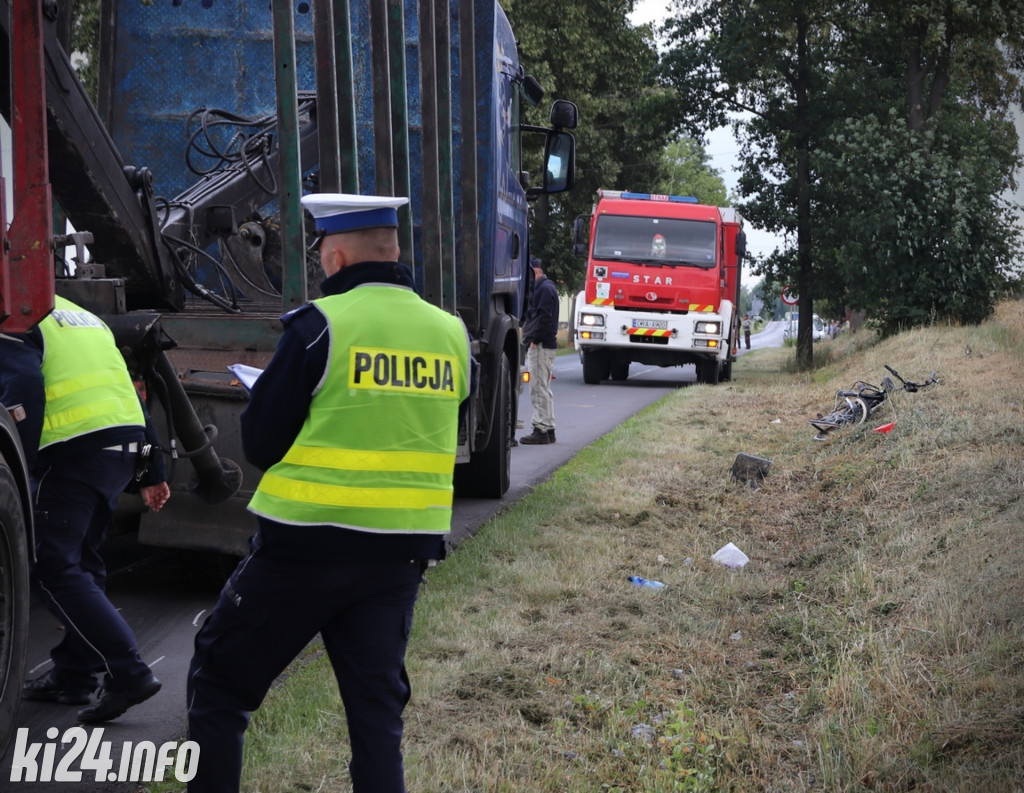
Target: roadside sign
<point>789,296</point>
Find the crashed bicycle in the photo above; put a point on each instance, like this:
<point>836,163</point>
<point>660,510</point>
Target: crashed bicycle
<point>854,405</point>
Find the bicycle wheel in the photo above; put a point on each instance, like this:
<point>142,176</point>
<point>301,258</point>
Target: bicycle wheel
<point>856,409</point>
<point>860,410</point>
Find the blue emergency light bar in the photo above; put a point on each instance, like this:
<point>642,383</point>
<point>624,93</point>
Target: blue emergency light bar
<point>648,196</point>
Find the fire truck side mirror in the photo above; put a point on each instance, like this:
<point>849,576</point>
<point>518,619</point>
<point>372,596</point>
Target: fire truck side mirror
<point>741,244</point>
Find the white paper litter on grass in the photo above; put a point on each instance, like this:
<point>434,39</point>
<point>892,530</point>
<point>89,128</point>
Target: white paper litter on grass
<point>730,556</point>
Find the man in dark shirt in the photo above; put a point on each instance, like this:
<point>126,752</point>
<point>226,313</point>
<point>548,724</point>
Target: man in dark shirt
<point>541,333</point>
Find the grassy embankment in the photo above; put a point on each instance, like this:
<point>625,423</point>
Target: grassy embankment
<point>875,641</point>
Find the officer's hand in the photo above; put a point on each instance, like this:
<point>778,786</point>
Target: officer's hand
<point>155,496</point>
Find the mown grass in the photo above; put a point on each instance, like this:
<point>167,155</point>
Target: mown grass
<point>875,641</point>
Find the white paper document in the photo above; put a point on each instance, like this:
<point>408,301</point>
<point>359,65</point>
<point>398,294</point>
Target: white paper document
<point>246,374</point>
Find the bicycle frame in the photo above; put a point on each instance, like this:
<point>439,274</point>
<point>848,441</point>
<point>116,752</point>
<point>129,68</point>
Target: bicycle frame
<point>855,405</point>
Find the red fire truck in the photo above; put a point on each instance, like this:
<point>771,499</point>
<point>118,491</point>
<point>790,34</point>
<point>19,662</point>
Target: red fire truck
<point>662,286</point>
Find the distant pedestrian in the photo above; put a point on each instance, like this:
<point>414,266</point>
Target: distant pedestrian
<point>746,329</point>
<point>541,334</point>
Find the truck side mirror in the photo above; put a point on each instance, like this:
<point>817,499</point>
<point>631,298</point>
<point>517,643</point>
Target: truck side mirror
<point>559,164</point>
<point>532,91</point>
<point>741,244</point>
<point>564,114</point>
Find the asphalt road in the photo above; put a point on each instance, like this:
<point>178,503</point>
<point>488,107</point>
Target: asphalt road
<point>165,594</point>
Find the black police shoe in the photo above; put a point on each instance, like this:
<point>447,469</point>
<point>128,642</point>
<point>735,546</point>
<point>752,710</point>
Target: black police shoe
<point>45,689</point>
<point>551,436</point>
<point>536,437</point>
<point>112,704</point>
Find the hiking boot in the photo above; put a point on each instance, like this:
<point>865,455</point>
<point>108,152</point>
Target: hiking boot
<point>551,436</point>
<point>536,437</point>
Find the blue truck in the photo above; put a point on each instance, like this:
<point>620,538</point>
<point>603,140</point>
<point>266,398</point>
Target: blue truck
<point>181,185</point>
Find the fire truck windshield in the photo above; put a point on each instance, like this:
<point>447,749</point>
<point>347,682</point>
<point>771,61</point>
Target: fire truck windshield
<point>662,242</point>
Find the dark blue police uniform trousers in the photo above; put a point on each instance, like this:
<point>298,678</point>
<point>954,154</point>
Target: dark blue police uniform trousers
<point>267,612</point>
<point>75,498</point>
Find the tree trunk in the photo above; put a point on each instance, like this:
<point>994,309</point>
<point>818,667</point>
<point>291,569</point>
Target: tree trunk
<point>915,80</point>
<point>805,324</point>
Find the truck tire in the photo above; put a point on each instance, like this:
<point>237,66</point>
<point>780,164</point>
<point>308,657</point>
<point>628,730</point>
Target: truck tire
<point>596,367</point>
<point>619,370</point>
<point>488,474</point>
<point>14,602</point>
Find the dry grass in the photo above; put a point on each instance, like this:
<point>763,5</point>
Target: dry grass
<point>875,642</point>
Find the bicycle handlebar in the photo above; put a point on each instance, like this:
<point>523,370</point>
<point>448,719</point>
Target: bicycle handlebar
<point>910,386</point>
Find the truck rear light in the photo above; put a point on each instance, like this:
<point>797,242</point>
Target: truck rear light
<point>712,328</point>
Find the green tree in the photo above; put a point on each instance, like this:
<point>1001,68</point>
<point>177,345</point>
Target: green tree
<point>79,30</point>
<point>774,61</point>
<point>876,93</point>
<point>919,229</point>
<point>688,171</point>
<point>588,52</point>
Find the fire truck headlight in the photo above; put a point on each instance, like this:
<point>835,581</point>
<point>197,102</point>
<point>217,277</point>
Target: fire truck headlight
<point>592,320</point>
<point>713,328</point>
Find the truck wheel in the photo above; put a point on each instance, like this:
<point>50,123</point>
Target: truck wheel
<point>488,473</point>
<point>727,371</point>
<point>13,602</point>
<point>620,370</point>
<point>596,367</point>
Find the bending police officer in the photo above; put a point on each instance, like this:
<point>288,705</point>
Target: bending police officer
<point>82,425</point>
<point>355,422</point>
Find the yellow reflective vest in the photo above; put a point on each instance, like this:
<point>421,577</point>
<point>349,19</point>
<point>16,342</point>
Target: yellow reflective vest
<point>377,450</point>
<point>87,384</point>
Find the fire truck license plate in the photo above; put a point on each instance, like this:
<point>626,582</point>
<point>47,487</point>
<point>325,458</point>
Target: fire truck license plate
<point>654,324</point>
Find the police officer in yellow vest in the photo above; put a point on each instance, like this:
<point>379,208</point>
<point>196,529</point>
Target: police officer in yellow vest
<point>355,423</point>
<point>81,424</point>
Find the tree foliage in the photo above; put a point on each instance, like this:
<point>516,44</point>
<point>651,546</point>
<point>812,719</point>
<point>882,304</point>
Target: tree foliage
<point>587,51</point>
<point>688,172</point>
<point>876,135</point>
<point>83,31</point>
